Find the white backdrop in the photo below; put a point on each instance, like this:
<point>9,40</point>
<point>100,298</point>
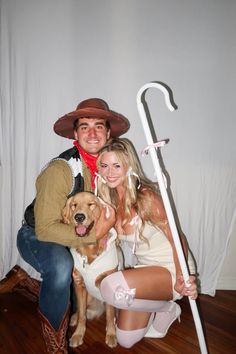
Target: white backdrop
<point>55,53</point>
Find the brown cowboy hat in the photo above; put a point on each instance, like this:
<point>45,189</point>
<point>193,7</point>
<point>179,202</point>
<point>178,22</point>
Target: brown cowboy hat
<point>92,108</point>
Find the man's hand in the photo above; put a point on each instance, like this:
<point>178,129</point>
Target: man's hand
<point>106,221</point>
<point>190,289</point>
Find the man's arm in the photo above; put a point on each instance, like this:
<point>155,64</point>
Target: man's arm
<point>53,185</point>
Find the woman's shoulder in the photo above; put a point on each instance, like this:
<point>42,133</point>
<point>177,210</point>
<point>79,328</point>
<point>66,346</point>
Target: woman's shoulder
<point>153,204</point>
<point>150,193</point>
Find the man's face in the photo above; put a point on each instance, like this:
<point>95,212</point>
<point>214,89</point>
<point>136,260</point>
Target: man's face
<point>92,134</point>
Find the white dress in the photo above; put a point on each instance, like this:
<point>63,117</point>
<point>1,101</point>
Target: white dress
<point>107,260</point>
<point>157,251</point>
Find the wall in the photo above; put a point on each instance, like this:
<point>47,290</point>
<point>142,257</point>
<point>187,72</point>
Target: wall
<point>56,53</point>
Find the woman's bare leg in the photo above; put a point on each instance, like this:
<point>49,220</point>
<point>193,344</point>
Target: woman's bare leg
<point>132,327</point>
<point>137,292</point>
<point>138,289</point>
<point>151,283</point>
<point>130,320</point>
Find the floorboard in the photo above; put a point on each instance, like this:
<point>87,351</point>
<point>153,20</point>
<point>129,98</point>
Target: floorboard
<point>20,331</point>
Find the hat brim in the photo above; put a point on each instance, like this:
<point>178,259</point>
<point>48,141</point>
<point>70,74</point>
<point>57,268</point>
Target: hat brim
<point>64,126</point>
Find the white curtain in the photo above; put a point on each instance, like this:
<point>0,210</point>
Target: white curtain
<point>57,53</point>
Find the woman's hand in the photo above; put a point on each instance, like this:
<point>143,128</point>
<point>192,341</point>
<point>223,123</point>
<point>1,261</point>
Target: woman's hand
<point>190,289</point>
<point>76,276</point>
<point>106,221</point>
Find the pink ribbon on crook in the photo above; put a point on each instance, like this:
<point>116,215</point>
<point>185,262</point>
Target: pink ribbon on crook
<point>160,143</point>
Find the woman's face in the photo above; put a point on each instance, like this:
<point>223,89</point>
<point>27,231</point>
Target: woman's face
<point>112,170</point>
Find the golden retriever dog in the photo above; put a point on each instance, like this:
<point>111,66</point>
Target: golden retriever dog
<point>92,263</point>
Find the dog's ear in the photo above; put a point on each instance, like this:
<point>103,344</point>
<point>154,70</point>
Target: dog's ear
<point>67,211</point>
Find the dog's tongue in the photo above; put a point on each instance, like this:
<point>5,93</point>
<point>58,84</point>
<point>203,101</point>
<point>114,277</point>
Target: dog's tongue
<point>80,230</point>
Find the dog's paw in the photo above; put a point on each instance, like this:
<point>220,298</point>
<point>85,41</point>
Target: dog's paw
<point>74,319</point>
<point>111,340</point>
<point>76,340</point>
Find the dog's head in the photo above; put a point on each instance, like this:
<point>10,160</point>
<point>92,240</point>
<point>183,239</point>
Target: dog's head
<point>82,210</point>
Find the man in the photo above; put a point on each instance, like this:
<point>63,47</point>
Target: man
<point>43,246</point>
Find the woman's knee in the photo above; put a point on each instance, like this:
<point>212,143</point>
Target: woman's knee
<point>110,284</point>
<point>128,338</point>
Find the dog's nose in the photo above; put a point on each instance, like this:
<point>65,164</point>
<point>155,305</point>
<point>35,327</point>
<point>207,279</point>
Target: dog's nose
<point>79,217</point>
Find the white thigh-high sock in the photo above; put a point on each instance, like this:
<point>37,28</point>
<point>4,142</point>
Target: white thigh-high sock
<point>115,291</point>
<point>128,338</point>
<point>163,320</point>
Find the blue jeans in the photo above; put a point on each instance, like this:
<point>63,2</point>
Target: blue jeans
<point>55,263</point>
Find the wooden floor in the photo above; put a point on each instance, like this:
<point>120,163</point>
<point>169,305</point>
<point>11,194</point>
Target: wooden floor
<point>20,331</point>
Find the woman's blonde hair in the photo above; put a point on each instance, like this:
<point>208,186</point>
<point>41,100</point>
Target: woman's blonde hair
<point>135,182</point>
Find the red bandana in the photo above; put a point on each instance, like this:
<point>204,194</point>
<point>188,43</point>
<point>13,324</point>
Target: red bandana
<point>89,160</point>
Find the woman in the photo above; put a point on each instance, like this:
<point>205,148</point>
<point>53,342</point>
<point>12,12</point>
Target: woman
<point>146,289</point>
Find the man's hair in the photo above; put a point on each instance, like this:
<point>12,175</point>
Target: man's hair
<point>75,124</point>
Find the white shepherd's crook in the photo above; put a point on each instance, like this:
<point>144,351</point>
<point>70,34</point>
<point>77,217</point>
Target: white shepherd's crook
<point>161,181</point>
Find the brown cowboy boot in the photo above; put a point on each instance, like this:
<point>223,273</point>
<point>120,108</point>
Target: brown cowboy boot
<point>55,341</point>
<point>17,280</point>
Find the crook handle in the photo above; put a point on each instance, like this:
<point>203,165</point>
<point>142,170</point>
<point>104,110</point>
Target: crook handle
<point>159,86</point>
<point>141,109</point>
